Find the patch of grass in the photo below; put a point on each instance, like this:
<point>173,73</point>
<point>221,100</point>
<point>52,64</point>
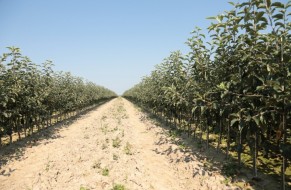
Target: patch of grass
<point>116,143</point>
<point>128,149</point>
<point>226,181</point>
<point>118,187</point>
<point>47,166</point>
<point>104,128</point>
<point>120,108</point>
<point>105,172</point>
<point>84,188</point>
<point>230,169</point>
<point>115,157</point>
<point>199,145</point>
<point>182,145</point>
<point>174,134</point>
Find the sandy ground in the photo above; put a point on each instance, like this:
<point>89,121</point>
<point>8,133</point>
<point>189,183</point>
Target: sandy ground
<point>113,144</point>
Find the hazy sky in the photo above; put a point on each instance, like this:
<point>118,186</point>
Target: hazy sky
<point>113,43</point>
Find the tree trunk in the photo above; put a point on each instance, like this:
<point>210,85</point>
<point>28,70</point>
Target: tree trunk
<point>239,147</point>
<point>228,139</point>
<point>220,134</point>
<point>207,136</point>
<point>255,154</point>
<point>284,160</point>
<point>24,129</point>
<point>19,135</point>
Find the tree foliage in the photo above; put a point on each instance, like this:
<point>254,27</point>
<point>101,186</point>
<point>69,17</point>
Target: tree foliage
<point>237,85</point>
<point>32,94</point>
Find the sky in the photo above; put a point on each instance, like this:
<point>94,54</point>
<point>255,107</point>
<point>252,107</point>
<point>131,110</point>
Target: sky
<point>113,43</point>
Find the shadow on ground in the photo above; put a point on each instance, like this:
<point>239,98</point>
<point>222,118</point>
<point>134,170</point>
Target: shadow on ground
<point>16,150</point>
<point>212,160</point>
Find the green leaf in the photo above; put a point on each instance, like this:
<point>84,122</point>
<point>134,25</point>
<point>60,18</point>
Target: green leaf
<point>262,119</point>
<point>259,15</point>
<point>280,24</point>
<point>231,3</point>
<point>278,16</point>
<point>260,88</point>
<point>256,119</point>
<point>278,5</point>
<point>6,115</point>
<point>211,18</point>
<point>269,68</point>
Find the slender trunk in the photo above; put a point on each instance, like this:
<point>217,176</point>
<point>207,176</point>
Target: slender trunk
<point>284,160</point>
<point>239,149</point>
<point>47,121</point>
<point>255,153</point>
<point>18,132</point>
<point>201,133</point>
<point>220,134</point>
<point>38,123</point>
<point>207,136</point>
<point>194,132</point>
<point>228,139</point>
<point>10,132</point>
<point>24,129</point>
<point>239,146</point>
<point>10,138</point>
<point>189,127</point>
<point>18,128</point>
<point>32,125</point>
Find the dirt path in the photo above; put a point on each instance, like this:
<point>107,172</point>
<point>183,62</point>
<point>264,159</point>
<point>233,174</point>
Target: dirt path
<point>114,144</point>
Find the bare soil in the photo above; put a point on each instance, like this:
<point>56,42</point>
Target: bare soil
<point>113,144</point>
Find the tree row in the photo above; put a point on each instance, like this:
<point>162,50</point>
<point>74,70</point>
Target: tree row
<point>234,83</point>
<point>35,96</point>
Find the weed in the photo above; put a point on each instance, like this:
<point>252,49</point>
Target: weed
<point>104,128</point>
<point>182,145</point>
<point>105,171</point>
<point>118,187</point>
<point>83,188</point>
<point>116,142</point>
<point>115,157</point>
<point>47,166</point>
<point>127,149</point>
<point>226,181</point>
